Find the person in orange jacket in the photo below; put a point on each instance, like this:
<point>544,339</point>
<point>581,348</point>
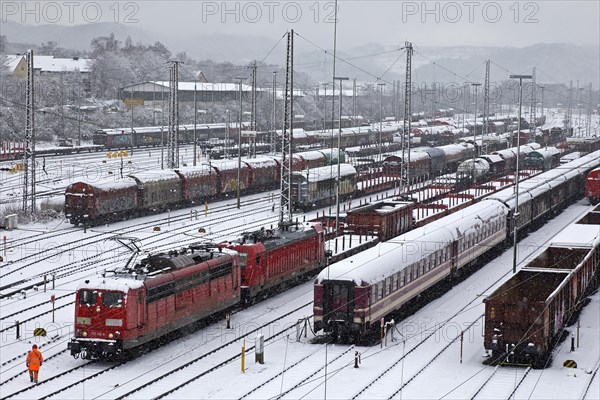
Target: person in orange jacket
<point>34,362</point>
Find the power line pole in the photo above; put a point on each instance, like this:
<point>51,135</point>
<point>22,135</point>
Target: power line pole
<point>173,136</point>
<point>285,212</point>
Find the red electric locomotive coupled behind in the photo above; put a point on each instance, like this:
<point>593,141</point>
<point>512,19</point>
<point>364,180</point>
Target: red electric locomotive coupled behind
<point>592,186</point>
<point>151,297</point>
<point>271,259</point>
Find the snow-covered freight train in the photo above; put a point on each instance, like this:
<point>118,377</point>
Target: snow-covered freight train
<point>527,314</point>
<point>352,295</point>
<point>152,191</point>
<point>157,294</point>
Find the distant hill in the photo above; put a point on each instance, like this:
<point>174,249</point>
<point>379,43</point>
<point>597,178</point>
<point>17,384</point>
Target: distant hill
<point>556,62</point>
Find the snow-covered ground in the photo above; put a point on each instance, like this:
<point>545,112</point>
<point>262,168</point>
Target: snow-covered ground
<point>294,369</point>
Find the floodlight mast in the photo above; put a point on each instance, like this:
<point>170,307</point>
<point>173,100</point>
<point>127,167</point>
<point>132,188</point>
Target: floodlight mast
<point>516,214</point>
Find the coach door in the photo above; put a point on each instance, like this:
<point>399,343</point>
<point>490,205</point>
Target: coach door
<point>339,301</point>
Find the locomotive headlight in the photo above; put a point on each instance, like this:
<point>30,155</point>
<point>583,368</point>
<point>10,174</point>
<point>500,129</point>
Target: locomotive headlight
<point>84,334</point>
<point>97,308</point>
<point>117,334</point>
<point>110,335</point>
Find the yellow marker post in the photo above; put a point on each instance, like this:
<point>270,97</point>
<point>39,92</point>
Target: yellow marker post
<point>243,356</point>
<point>206,208</point>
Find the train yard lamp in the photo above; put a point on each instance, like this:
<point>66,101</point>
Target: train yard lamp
<point>516,215</point>
<point>339,145</point>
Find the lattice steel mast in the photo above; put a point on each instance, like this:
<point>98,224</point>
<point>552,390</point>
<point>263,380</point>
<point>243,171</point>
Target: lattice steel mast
<point>532,110</point>
<point>486,108</point>
<point>569,110</point>
<point>285,213</point>
<point>29,137</point>
<point>404,166</point>
<point>173,135</point>
<point>273,135</point>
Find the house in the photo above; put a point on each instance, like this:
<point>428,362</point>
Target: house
<point>46,65</point>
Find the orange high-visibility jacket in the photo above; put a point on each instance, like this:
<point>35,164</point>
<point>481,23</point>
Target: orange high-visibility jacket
<point>34,360</point>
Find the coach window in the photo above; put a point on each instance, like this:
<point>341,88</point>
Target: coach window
<point>380,291</point>
<point>373,294</point>
<point>402,274</point>
<point>387,286</point>
<point>396,281</point>
<point>87,297</point>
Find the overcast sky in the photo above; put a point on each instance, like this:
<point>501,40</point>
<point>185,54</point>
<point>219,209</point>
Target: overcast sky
<point>491,23</point>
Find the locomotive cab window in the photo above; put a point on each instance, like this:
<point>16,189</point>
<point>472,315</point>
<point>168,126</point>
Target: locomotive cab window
<point>243,260</point>
<point>112,299</point>
<point>87,297</point>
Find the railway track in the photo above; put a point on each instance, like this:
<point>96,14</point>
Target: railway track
<point>592,390</point>
<point>410,365</point>
<point>97,240</point>
<point>502,383</point>
<point>184,367</point>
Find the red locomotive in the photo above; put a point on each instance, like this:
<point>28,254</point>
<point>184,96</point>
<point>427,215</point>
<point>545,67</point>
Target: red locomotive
<point>164,292</point>
<point>271,258</point>
<point>153,297</point>
<point>592,186</point>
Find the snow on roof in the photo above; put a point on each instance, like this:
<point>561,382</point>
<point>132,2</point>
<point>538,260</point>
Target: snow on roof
<point>154,176</point>
<point>325,173</point>
<point>577,235</point>
<point>260,162</point>
<point>493,157</point>
<point>388,258</point>
<point>114,185</point>
<point>53,64</point>
<point>480,166</point>
<point>455,149</point>
<point>545,152</point>
<point>332,152</point>
<point>200,170</point>
<point>114,283</point>
<point>311,155</point>
<point>206,87</point>
<point>416,155</point>
<point>224,165</point>
<point>553,123</point>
